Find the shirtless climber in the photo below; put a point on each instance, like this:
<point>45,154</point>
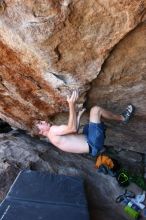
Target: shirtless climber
<point>66,137</point>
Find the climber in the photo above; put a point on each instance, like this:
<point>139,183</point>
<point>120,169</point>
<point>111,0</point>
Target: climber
<point>91,140</point>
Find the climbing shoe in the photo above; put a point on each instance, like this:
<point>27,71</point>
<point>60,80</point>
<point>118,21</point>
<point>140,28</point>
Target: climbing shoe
<point>128,113</point>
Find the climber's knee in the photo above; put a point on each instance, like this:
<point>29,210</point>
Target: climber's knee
<point>95,114</point>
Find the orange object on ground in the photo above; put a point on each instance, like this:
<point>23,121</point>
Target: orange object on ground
<point>104,160</point>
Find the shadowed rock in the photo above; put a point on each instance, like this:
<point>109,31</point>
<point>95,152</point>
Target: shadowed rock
<point>20,151</point>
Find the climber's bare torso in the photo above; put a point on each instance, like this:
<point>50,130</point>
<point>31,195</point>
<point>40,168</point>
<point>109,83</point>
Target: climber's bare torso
<point>69,142</point>
<point>66,137</point>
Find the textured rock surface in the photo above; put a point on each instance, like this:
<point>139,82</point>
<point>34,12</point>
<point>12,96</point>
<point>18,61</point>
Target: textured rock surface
<point>48,47</point>
<point>122,81</point>
<point>8,172</point>
<point>20,151</point>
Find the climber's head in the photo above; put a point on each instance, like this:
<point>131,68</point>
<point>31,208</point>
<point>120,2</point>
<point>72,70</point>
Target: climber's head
<point>42,127</point>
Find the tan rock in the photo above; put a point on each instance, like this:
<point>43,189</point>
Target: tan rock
<point>47,48</point>
<point>123,81</point>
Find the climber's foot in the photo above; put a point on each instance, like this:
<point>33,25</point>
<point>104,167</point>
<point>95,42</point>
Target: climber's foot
<point>128,113</point>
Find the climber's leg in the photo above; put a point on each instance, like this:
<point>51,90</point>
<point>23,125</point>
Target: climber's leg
<point>95,130</point>
<point>97,113</point>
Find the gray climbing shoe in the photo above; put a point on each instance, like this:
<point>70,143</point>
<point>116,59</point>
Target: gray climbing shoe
<point>128,113</point>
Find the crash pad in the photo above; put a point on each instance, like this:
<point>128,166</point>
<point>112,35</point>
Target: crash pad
<point>45,196</point>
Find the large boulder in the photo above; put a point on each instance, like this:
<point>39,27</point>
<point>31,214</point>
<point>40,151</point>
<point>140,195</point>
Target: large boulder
<point>123,81</point>
<point>47,48</point>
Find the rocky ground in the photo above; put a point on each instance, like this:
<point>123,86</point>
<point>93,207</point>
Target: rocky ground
<point>19,150</point>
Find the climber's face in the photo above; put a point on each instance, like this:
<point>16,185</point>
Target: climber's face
<point>43,127</point>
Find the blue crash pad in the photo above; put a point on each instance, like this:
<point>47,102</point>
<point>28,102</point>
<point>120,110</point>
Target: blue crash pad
<point>44,196</point>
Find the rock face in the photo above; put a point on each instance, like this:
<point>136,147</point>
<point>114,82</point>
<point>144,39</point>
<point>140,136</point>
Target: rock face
<point>49,47</point>
<point>123,81</point>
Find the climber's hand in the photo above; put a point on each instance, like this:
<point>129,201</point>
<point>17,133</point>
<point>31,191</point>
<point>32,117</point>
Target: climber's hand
<point>73,98</point>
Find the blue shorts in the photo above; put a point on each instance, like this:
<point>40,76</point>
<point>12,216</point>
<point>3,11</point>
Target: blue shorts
<point>95,134</point>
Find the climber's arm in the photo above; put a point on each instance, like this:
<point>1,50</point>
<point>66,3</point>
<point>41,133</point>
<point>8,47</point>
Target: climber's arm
<point>71,127</point>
